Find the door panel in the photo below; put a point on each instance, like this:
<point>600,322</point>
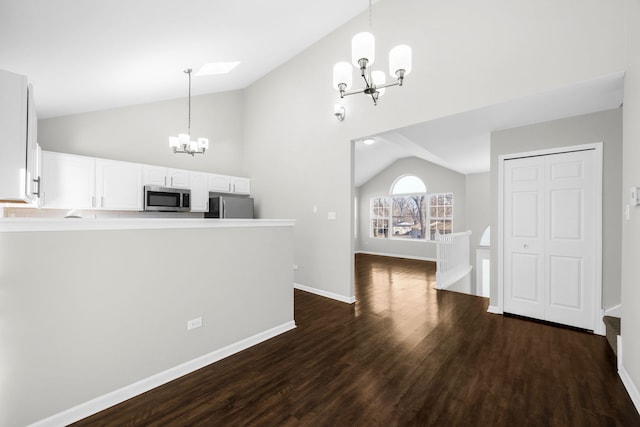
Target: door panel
<point>571,242</point>
<point>566,284</point>
<point>525,276</point>
<point>566,209</point>
<point>523,224</point>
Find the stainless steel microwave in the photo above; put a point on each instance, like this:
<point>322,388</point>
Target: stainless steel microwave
<point>166,199</point>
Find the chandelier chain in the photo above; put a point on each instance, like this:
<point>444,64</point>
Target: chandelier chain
<point>188,71</point>
<point>370,15</point>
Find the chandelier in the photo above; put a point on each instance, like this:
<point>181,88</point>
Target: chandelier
<point>362,57</point>
<point>183,143</point>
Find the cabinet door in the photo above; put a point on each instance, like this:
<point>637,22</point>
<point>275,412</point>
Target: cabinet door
<point>199,191</point>
<point>219,183</point>
<point>68,181</point>
<point>154,175</point>
<point>13,143</point>
<point>178,178</point>
<point>241,185</point>
<point>118,185</point>
<point>33,149</point>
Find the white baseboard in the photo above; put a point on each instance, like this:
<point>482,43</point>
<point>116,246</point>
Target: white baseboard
<point>615,311</point>
<point>117,396</point>
<point>630,386</point>
<point>494,309</point>
<point>397,256</point>
<point>326,294</point>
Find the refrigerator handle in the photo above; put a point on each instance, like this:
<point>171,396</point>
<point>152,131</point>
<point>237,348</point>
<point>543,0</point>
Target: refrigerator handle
<point>222,212</point>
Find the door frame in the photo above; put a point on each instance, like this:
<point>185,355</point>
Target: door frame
<point>598,312</point>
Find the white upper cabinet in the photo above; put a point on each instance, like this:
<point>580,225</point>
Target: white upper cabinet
<point>68,181</point>
<point>240,185</point>
<point>219,183</point>
<point>178,178</point>
<point>165,177</point>
<point>154,175</point>
<point>18,143</point>
<point>78,182</point>
<point>199,191</point>
<point>229,184</point>
<point>118,185</point>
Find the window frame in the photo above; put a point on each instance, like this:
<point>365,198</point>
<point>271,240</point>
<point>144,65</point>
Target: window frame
<point>445,209</point>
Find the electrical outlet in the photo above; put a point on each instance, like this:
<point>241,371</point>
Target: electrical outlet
<point>295,266</point>
<point>194,323</point>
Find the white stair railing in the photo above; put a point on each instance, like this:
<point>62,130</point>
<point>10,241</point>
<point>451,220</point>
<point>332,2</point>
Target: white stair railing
<point>452,259</point>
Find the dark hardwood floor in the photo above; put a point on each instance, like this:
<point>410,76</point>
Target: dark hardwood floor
<point>404,354</point>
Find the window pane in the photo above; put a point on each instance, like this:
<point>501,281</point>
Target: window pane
<point>409,184</point>
<point>379,228</point>
<point>407,215</point>
<point>447,212</point>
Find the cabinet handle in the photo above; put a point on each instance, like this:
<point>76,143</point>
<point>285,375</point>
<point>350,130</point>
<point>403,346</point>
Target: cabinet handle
<point>93,201</point>
<point>37,181</point>
<point>102,201</point>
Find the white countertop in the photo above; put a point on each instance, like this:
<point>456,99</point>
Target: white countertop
<point>82,224</point>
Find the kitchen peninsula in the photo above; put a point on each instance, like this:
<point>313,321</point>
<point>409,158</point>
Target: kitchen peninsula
<point>95,311</point>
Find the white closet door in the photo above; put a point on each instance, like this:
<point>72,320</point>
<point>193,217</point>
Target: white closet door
<point>571,238</point>
<point>524,237</point>
<point>550,237</point>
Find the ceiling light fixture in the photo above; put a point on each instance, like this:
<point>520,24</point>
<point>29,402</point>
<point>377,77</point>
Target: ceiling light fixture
<point>362,57</point>
<point>368,141</point>
<point>183,143</point>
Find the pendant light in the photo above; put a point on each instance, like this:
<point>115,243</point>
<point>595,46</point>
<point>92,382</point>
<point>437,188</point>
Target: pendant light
<point>183,143</point>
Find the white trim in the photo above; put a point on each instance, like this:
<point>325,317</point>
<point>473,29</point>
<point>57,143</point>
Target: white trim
<point>618,350</point>
<point>615,311</point>
<point>494,309</point>
<point>87,224</point>
<point>632,389</point>
<point>418,258</point>
<point>598,324</point>
<point>326,294</point>
<point>117,396</point>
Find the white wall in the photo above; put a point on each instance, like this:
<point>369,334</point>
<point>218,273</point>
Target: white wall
<point>478,214</point>
<point>630,368</point>
<point>105,309</point>
<point>603,127</point>
<point>467,55</point>
<point>140,133</point>
<point>437,180</point>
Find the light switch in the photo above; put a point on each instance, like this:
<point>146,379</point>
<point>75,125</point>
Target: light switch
<point>634,195</point>
<point>332,216</point>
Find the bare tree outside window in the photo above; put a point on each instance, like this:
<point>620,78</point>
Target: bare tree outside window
<point>410,213</point>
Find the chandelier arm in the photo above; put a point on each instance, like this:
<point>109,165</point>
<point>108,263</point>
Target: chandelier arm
<point>380,86</point>
<point>353,92</point>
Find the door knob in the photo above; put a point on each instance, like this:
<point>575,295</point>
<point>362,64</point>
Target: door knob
<point>526,246</point>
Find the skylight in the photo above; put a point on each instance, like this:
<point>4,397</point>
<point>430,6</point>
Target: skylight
<point>215,68</point>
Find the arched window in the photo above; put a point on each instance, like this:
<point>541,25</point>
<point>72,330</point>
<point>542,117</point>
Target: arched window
<point>410,213</point>
<point>408,184</point>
